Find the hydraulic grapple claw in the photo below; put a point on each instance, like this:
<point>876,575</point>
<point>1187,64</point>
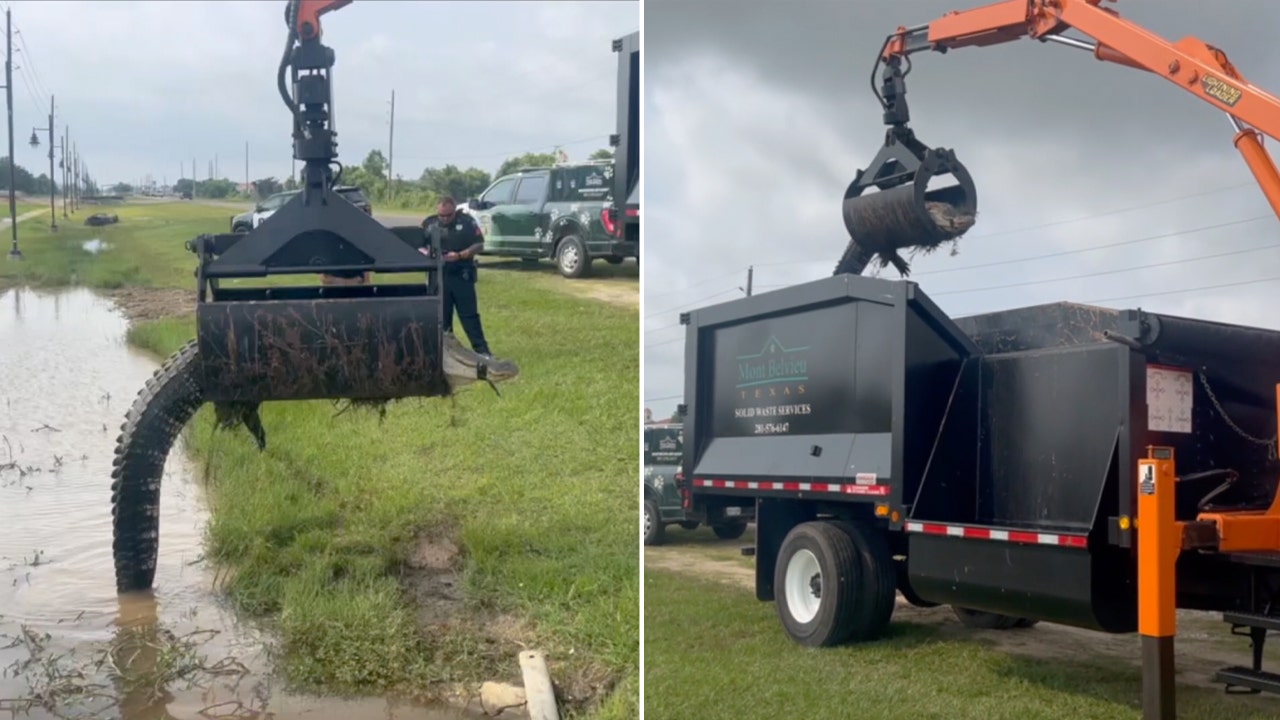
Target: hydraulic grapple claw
<point>902,211</point>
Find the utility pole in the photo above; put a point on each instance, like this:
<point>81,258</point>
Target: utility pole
<point>53,185</point>
<point>750,272</point>
<point>215,167</point>
<point>66,169</point>
<point>75,177</point>
<point>391,146</point>
<point>247,187</point>
<point>14,252</point>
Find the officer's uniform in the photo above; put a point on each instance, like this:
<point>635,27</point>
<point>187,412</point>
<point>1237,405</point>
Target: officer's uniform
<point>459,275</point>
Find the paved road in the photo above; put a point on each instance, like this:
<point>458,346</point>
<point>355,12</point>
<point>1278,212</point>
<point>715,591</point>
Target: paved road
<point>388,219</point>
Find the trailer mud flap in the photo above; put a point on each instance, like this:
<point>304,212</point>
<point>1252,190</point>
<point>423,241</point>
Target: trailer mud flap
<point>349,348</point>
<point>1053,583</point>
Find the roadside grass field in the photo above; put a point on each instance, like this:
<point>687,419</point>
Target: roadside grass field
<point>534,490</point>
<point>709,644</point>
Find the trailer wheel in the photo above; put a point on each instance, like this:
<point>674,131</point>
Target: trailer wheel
<point>689,524</point>
<point>654,530</point>
<point>729,531</point>
<point>1026,623</point>
<point>819,575</point>
<point>878,592</point>
<point>982,620</point>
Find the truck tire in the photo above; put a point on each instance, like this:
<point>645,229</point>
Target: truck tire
<point>654,530</point>
<point>879,579</point>
<point>981,620</point>
<point>572,259</point>
<point>689,524</point>
<point>819,576</point>
<point>730,531</point>
<point>613,259</point>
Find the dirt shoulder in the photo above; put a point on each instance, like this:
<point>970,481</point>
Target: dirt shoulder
<point>141,304</point>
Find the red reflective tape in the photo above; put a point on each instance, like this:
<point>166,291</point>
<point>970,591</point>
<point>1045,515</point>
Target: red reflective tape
<point>999,534</point>
<point>793,486</point>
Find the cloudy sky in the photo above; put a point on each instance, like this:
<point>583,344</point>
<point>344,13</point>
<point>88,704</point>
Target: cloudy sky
<point>1111,185</point>
<point>146,86</point>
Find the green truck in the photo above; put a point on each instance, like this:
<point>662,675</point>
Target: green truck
<point>663,506</point>
<point>565,213</point>
<point>574,213</point>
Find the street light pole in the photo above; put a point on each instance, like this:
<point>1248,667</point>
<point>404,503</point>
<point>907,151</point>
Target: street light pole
<point>35,142</point>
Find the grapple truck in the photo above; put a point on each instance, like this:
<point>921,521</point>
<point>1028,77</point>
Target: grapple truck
<point>1088,466</point>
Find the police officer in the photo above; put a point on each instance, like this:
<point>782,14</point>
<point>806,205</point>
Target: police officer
<point>460,240</point>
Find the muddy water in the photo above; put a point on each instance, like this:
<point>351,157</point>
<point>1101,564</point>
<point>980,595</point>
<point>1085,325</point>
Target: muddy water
<point>67,377</point>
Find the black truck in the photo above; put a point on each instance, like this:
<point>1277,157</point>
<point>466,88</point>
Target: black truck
<point>626,143</point>
<point>996,463</point>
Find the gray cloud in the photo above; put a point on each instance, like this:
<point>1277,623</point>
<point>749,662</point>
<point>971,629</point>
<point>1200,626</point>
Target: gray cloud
<point>758,114</point>
<point>148,85</point>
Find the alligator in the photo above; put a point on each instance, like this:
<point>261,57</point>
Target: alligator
<point>163,408</point>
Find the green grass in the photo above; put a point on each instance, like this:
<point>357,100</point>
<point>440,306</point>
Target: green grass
<point>536,487</point>
<point>147,247</point>
<point>714,647</point>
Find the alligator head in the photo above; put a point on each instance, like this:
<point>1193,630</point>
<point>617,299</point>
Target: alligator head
<point>462,366</point>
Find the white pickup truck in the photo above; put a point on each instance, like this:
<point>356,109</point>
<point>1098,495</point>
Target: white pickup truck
<point>246,221</point>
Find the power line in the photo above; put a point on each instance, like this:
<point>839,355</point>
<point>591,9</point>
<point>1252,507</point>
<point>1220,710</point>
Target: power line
<point>685,305</point>
<point>31,63</point>
<point>1051,223</point>
<point>1096,273</point>
<point>661,399</point>
<point>1187,290</point>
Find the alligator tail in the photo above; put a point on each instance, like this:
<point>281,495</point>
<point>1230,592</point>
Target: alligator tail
<point>162,408</point>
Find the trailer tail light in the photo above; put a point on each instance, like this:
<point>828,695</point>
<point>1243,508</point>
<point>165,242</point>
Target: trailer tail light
<point>609,219</point>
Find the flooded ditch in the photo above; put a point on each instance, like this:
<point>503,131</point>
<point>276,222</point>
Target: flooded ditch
<point>69,646</point>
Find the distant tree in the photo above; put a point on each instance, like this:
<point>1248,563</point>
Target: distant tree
<point>24,181</point>
<point>450,180</point>
<point>266,187</point>
<point>183,185</point>
<point>290,183</point>
<point>375,165</point>
<point>602,154</point>
<point>215,189</point>
<point>121,188</point>
<point>513,164</point>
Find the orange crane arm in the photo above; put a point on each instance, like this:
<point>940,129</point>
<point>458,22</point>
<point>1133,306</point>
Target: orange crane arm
<point>307,19</point>
<point>1190,63</point>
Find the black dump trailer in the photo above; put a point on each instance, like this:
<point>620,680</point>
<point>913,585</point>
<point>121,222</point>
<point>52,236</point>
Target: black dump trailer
<point>990,462</point>
<point>626,141</point>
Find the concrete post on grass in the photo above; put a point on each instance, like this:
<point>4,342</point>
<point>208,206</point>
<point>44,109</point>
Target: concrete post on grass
<point>540,696</point>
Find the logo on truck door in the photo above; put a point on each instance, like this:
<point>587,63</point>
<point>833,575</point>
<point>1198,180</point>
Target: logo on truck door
<point>777,375</point>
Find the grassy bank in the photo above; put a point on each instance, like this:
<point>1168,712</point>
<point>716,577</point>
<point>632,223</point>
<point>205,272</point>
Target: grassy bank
<point>525,502</point>
<point>145,248</point>
<point>922,670</point>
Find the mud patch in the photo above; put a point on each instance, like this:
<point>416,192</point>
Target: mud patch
<point>145,304</point>
<point>613,292</point>
<point>446,616</point>
<point>433,581</point>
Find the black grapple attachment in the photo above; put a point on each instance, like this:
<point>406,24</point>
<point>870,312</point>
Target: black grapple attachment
<point>333,338</point>
<point>890,205</point>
